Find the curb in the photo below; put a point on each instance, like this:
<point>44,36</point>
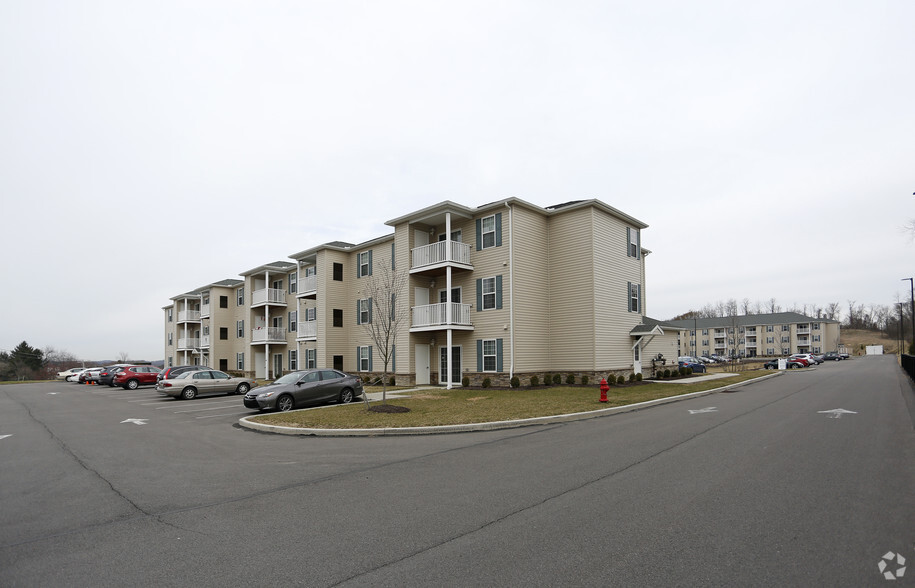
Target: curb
<point>491,426</point>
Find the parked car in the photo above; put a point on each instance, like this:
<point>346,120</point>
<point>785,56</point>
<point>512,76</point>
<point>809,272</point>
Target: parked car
<point>691,362</point>
<point>176,370</point>
<point>297,389</point>
<point>89,375</point>
<point>106,376</point>
<point>132,377</point>
<point>202,382</point>
<point>65,375</point>
<point>809,358</point>
<point>790,364</point>
<point>832,356</point>
<point>706,359</point>
<point>719,358</point>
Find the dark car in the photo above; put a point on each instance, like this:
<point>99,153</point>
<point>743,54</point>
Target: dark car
<point>832,356</point>
<point>132,377</point>
<point>106,376</point>
<point>176,370</point>
<point>772,364</point>
<point>697,366</point>
<point>296,389</point>
<point>202,382</point>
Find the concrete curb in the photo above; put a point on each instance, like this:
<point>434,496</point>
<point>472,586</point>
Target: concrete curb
<point>492,426</point>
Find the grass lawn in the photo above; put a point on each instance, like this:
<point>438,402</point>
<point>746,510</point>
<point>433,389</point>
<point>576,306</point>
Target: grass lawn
<point>479,405</point>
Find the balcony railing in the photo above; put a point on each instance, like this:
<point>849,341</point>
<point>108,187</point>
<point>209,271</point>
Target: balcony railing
<point>307,285</point>
<point>431,315</point>
<point>188,343</point>
<point>307,330</point>
<point>803,330</point>
<point>268,335</point>
<point>268,296</point>
<point>441,252</point>
<point>205,341</point>
<point>204,311</point>
<point>803,341</point>
<point>188,316</point>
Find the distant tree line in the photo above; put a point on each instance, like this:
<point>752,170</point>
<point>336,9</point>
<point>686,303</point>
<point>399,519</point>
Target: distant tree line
<point>25,362</point>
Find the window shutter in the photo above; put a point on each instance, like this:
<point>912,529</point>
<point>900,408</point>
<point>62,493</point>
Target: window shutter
<point>370,262</point>
<point>358,314</point>
<point>370,309</point>
<point>638,244</point>
<point>640,298</point>
<point>358,360</point>
<point>498,355</point>
<point>479,295</point>
<point>498,229</point>
<point>479,355</point>
<point>479,234</point>
<point>629,296</point>
<point>392,256</point>
<point>370,358</point>
<point>499,291</point>
<point>628,241</point>
<point>393,358</point>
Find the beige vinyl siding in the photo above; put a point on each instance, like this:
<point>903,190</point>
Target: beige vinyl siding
<point>666,345</point>
<point>613,270</point>
<point>491,323</point>
<point>529,289</point>
<point>332,294</point>
<point>571,279</point>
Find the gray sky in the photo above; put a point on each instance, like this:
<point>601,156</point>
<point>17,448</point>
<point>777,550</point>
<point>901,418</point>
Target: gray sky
<point>147,148</point>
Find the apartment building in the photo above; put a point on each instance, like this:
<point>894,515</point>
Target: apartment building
<point>197,326</point>
<point>758,335</point>
<point>500,290</point>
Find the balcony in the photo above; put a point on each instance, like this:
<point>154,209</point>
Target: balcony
<point>307,330</point>
<point>803,330</point>
<point>267,296</point>
<point>751,342</point>
<point>188,316</point>
<point>188,343</point>
<point>803,341</point>
<point>205,311</point>
<point>205,342</point>
<point>434,317</point>
<point>441,254</point>
<point>268,335</point>
<point>307,287</point>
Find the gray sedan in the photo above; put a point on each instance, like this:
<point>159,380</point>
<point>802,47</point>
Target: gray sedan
<point>189,385</point>
<point>308,387</point>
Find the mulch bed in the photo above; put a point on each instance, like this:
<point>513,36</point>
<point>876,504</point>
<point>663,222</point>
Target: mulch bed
<point>388,408</point>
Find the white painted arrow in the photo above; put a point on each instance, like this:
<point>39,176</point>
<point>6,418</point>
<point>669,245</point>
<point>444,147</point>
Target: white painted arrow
<point>51,393</point>
<point>709,409</point>
<point>5,436</point>
<point>836,413</point>
<point>136,421</point>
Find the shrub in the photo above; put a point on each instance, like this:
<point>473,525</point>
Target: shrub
<point>515,382</point>
<point>621,380</point>
<point>667,373</point>
<point>557,379</point>
<point>535,381</point>
<point>391,381</point>
<point>638,377</point>
<point>682,371</point>
<point>547,379</point>
<point>487,382</point>
<point>631,378</point>
<point>570,379</point>
<point>689,371</point>
<point>585,380</point>
<point>465,381</point>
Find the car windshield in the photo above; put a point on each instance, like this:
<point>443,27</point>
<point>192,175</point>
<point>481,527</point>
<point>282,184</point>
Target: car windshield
<point>288,378</point>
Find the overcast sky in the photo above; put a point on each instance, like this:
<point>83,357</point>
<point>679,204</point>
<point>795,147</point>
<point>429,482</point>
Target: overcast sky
<point>148,148</point>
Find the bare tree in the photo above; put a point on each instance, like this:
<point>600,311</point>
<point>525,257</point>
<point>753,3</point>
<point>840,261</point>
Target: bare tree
<point>123,356</point>
<point>384,291</point>
<point>833,311</point>
<point>773,306</point>
<point>745,305</point>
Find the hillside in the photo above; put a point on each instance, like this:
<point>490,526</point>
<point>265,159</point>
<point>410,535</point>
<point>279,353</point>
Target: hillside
<point>857,339</point>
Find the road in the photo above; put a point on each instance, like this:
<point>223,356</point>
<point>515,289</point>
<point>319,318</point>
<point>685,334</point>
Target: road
<point>768,485</point>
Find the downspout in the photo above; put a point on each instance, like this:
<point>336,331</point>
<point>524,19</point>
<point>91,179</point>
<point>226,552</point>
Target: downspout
<point>511,294</point>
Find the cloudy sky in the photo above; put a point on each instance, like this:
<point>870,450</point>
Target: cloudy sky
<point>147,148</point>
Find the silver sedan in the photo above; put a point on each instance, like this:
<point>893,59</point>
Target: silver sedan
<point>190,385</point>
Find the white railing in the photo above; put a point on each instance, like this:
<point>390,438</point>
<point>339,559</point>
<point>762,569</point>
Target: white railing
<point>803,341</point>
<point>188,343</point>
<point>267,295</point>
<point>436,314</point>
<point>205,341</point>
<point>803,330</point>
<point>264,334</point>
<point>204,311</point>
<point>306,285</point>
<point>188,315</point>
<point>307,329</point>
<point>441,252</point>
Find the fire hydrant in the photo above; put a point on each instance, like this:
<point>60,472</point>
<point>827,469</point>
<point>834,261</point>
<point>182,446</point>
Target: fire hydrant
<point>604,387</point>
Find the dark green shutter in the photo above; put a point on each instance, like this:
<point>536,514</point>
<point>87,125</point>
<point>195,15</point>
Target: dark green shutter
<point>629,296</point>
<point>479,224</point>
<point>479,295</point>
<point>370,262</point>
<point>638,244</point>
<point>498,229</point>
<point>498,355</point>
<point>498,291</point>
<point>358,313</point>
<point>479,355</point>
<point>393,358</point>
<point>640,298</point>
<point>370,309</point>
<point>628,241</point>
<point>370,358</point>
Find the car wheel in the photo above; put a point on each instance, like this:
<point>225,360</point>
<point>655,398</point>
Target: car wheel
<point>768,367</point>
<point>284,403</point>
<point>242,389</point>
<point>189,393</point>
<point>346,396</point>
<point>132,384</point>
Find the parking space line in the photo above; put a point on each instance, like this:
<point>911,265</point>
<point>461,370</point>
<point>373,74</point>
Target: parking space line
<point>200,409</point>
<point>213,416</point>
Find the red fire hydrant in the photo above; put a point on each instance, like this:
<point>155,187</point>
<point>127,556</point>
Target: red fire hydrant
<point>604,387</point>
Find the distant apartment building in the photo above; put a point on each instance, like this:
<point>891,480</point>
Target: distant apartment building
<point>500,290</point>
<point>758,335</point>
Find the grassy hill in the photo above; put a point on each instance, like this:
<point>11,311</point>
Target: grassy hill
<point>857,339</point>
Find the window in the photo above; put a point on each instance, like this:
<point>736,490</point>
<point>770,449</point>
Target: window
<point>311,359</point>
<point>705,331</point>
<point>489,232</point>
<point>240,361</point>
<point>293,360</point>
<point>705,341</point>
<point>338,318</point>
<point>240,329</point>
<point>169,315</point>
<point>223,333</point>
<point>311,314</point>
<point>770,339</point>
<point>338,272</point>
<point>170,338</point>
<point>784,339</point>
<point>240,297</point>
<point>785,351</point>
<point>489,293</point>
<point>816,338</point>
<point>206,330</point>
<point>223,302</point>
<point>277,322</point>
<point>633,243</point>
<point>365,264</point>
<point>816,326</point>
<point>364,311</point>
<point>364,358</point>
<point>277,284</point>
<point>293,282</point>
<point>770,351</point>
<point>489,355</point>
<point>769,328</point>
<point>293,316</point>
<point>635,297</point>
